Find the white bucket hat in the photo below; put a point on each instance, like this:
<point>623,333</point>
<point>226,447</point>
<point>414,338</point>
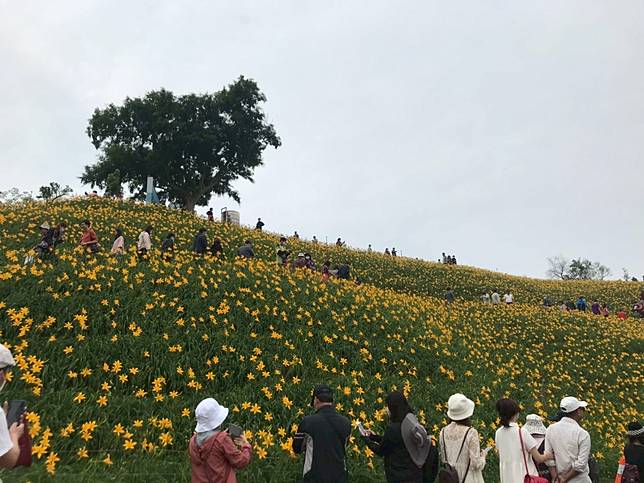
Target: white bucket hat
<point>459,407</point>
<point>534,424</point>
<point>570,404</point>
<point>6,359</point>
<point>210,414</point>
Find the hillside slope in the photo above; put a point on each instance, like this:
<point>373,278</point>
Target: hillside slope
<point>114,354</point>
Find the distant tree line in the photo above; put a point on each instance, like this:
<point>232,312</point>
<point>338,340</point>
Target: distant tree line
<point>576,269</point>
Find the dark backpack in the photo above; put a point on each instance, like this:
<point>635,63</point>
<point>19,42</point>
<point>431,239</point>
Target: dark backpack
<point>448,473</point>
<point>430,468</point>
<point>631,474</point>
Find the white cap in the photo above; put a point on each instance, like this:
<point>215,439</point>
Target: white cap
<point>570,404</point>
<point>210,414</point>
<point>459,407</point>
<point>6,359</point>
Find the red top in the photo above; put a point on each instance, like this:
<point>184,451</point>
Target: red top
<point>217,459</point>
<point>89,237</point>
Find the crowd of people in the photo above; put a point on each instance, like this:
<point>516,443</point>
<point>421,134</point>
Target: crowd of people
<point>559,453</point>
<point>447,259</point>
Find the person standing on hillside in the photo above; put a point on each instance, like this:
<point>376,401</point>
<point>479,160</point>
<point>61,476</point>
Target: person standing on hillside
<point>449,295</point>
<point>387,251</point>
<point>344,271</point>
<point>217,249</point>
<point>296,235</point>
<point>259,225</point>
<point>405,445</point>
<point>515,460</point>
<point>144,244</point>
<point>634,451</point>
<point>246,250</point>
<point>458,442</point>
<point>394,253</point>
<point>508,298</point>
<point>581,304</point>
<point>485,298</point>
<point>210,215</point>
<point>89,240</point>
<point>215,454</point>
<point>200,243</point>
<point>118,246</point>
<point>167,247</point>
<point>339,242</point>
<point>595,308</point>
<point>570,444</point>
<point>315,240</point>
<point>369,249</point>
<point>282,252</point>
<point>496,298</point>
<point>322,437</point>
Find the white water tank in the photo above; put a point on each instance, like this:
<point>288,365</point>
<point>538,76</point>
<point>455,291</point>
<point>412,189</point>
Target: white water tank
<point>230,216</point>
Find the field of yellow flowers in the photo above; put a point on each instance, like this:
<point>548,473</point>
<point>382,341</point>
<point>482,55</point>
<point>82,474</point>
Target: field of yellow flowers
<point>114,353</point>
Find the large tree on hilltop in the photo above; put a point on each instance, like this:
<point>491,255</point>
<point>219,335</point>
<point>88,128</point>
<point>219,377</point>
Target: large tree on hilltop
<point>193,145</point>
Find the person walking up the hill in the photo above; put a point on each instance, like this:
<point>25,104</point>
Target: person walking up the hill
<point>200,243</point>
<point>485,298</point>
<point>459,442</point>
<point>496,298</point>
<point>217,249</point>
<point>300,261</point>
<point>259,225</point>
<point>167,247</point>
<point>308,262</point>
<point>118,246</point>
<point>144,244</point>
<point>282,252</point>
<point>449,295</point>
<point>322,437</point>
<point>595,308</point>
<point>246,250</point>
<point>210,215</point>
<point>216,454</point>
<point>394,253</point>
<point>508,298</point>
<point>516,447</point>
<point>405,446</point>
<point>89,240</point>
<point>569,443</point>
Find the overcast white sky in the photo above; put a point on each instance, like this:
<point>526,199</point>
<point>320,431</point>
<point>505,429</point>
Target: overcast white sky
<point>503,132</point>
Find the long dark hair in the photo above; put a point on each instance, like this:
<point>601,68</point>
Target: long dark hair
<point>507,409</point>
<point>398,406</point>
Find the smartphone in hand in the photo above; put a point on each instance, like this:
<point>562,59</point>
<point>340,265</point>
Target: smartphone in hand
<point>17,408</point>
<point>234,431</point>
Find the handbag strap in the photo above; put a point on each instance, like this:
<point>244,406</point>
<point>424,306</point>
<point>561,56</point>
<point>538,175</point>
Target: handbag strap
<point>525,461</point>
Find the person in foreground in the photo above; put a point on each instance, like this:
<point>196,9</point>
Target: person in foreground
<point>633,459</point>
<point>405,445</point>
<point>9,437</point>
<point>322,437</point>
<point>570,444</point>
<point>516,447</point>
<point>214,454</point>
<point>459,442</point>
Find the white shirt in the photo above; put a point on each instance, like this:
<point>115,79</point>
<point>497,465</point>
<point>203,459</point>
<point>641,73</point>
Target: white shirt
<point>512,466</point>
<point>570,444</point>
<point>496,299</point>
<point>145,241</point>
<point>5,438</point>
<point>118,246</point>
<point>450,440</point>
<point>508,298</point>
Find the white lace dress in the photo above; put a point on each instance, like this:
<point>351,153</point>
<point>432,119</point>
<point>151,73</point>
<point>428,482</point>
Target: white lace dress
<point>450,440</point>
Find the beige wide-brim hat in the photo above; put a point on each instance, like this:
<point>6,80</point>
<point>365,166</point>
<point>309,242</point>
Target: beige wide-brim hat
<point>459,407</point>
<point>534,424</point>
<point>209,414</point>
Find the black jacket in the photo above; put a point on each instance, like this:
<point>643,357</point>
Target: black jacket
<point>399,467</point>
<point>323,436</point>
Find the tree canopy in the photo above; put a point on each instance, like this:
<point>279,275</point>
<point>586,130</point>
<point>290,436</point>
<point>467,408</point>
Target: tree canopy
<point>193,145</point>
<point>560,267</point>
